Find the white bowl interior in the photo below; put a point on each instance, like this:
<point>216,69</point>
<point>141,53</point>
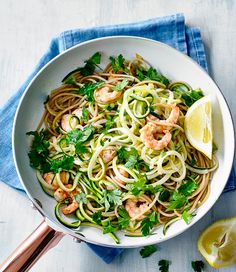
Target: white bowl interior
<point>171,63</point>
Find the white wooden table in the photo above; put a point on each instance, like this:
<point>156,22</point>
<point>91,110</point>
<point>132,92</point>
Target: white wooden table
<point>26,28</point>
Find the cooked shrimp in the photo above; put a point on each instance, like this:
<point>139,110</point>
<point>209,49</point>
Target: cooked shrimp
<point>108,154</point>
<point>69,123</point>
<point>106,95</point>
<point>174,115</point>
<point>52,180</point>
<point>135,206</point>
<point>149,136</point>
<point>60,195</point>
<point>70,208</point>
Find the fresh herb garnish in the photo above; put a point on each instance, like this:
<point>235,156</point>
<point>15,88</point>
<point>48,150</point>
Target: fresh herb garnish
<point>147,251</point>
<point>188,96</point>
<point>189,187</point>
<point>151,74</point>
<point>128,157</point>
<point>138,187</point>
<point>198,266</point>
<point>88,69</point>
<point>81,135</point>
<point>164,265</point>
<point>123,219</point>
<point>148,223</point>
<point>110,122</point>
<point>164,195</point>
<point>81,198</point>
<point>111,197</point>
<point>97,217</point>
<point>65,163</point>
<point>187,216</point>
<point>117,63</point>
<point>176,201</point>
<point>85,114</point>
<point>88,90</point>
<point>108,227</point>
<point>120,86</point>
<point>39,152</point>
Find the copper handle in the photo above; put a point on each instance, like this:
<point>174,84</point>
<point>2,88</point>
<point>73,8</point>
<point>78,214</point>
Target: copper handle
<point>29,251</point>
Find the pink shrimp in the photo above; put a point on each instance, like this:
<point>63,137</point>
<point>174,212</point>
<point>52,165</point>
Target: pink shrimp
<point>108,154</point>
<point>136,206</point>
<point>105,95</point>
<point>149,136</point>
<point>50,178</point>
<point>68,122</point>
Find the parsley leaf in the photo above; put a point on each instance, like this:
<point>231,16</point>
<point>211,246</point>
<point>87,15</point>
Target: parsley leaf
<point>148,223</point>
<point>39,152</point>
<point>147,251</point>
<point>123,219</point>
<point>87,70</point>
<point>88,90</point>
<point>108,227</point>
<point>80,148</point>
<point>130,158</point>
<point>198,266</point>
<point>164,195</point>
<point>187,216</point>
<point>176,201</point>
<point>110,122</point>
<point>97,217</point>
<point>65,163</point>
<point>151,74</point>
<point>120,86</point>
<point>138,187</point>
<point>81,197</point>
<point>81,135</point>
<point>189,187</point>
<point>85,114</point>
<point>117,63</point>
<point>111,197</point>
<point>189,97</point>
<point>164,265</point>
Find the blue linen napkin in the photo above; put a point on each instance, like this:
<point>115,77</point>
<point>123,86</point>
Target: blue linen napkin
<point>170,30</point>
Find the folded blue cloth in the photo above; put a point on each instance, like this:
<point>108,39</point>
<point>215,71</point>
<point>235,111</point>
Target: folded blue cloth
<point>170,30</point>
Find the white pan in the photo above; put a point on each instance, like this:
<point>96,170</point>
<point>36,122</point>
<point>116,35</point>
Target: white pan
<point>171,63</point>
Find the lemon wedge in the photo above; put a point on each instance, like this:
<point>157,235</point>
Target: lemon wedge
<point>198,126</point>
<point>217,243</point>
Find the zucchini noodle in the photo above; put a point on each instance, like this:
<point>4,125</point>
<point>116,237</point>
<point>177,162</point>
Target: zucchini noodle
<point>111,149</point>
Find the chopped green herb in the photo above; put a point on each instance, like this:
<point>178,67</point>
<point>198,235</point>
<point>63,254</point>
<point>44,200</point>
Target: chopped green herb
<point>117,63</point>
<point>81,135</point>
<point>148,223</point>
<point>187,217</point>
<point>109,108</point>
<point>111,197</point>
<point>88,90</point>
<point>120,86</point>
<point>80,148</point>
<point>108,227</point>
<point>138,187</point>
<point>198,266</point>
<point>110,122</point>
<point>164,265</point>
<point>85,114</point>
<point>88,69</point>
<point>129,157</point>
<point>97,217</point>
<point>164,195</point>
<point>189,187</point>
<point>39,152</point>
<point>81,198</point>
<point>147,251</point>
<point>176,201</point>
<point>188,96</point>
<point>123,219</point>
<point>151,74</point>
<point>65,163</point>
